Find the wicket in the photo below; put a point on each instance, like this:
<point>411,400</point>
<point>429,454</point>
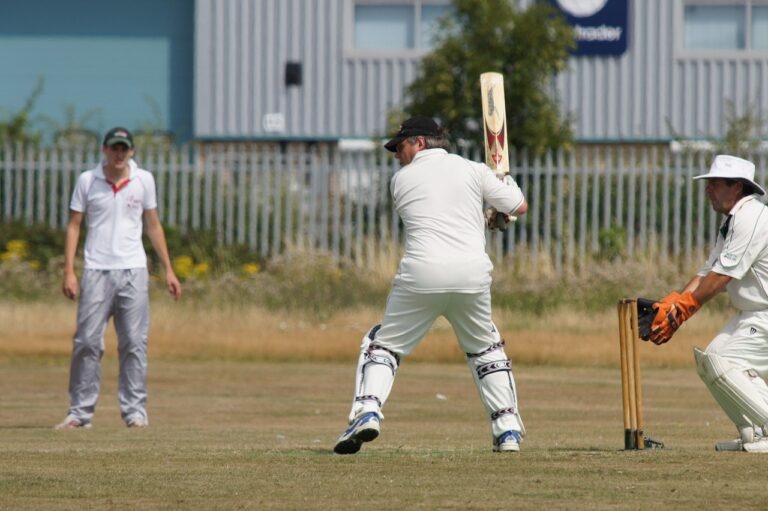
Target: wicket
<point>631,387</point>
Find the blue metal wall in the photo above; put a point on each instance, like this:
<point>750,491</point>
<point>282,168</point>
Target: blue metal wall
<point>114,63</point>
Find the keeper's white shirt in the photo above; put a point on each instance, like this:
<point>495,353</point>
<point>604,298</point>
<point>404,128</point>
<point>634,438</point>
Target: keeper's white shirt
<point>743,255</point>
<point>114,217</point>
<point>439,196</point>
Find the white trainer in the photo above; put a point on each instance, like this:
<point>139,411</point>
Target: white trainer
<point>363,429</point>
<point>509,441</point>
<point>750,439</point>
<point>760,445</point>
<point>72,422</point>
<point>137,422</point>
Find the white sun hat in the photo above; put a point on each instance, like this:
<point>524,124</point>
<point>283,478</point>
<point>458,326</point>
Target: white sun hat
<point>731,167</point>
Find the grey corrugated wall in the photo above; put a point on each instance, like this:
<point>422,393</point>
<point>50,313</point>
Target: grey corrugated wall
<point>242,47</point>
<point>652,92</point>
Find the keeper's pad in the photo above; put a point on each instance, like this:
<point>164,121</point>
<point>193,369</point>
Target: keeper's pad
<point>740,393</point>
<point>376,368</point>
<point>492,372</point>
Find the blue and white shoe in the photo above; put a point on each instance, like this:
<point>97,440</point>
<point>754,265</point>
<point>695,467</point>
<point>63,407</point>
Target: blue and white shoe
<point>364,429</point>
<point>509,441</point>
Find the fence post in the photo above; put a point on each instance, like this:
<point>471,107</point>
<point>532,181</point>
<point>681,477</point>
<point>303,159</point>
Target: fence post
<point>631,200</point>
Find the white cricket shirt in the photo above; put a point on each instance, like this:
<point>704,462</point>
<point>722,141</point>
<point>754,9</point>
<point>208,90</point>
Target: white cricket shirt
<point>114,217</point>
<point>439,196</point>
<point>743,255</point>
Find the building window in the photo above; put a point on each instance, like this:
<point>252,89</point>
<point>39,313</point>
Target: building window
<point>396,26</point>
<point>739,25</point>
<point>760,27</point>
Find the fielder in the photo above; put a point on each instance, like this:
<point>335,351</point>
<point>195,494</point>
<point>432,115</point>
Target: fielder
<point>735,363</point>
<point>115,197</point>
<point>444,271</point>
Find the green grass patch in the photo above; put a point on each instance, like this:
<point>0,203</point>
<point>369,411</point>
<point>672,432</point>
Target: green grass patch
<point>259,436</point>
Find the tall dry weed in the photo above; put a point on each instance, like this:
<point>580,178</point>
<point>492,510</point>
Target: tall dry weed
<point>190,331</point>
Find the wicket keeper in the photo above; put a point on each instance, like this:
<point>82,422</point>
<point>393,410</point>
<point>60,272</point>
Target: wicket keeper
<point>735,364</point>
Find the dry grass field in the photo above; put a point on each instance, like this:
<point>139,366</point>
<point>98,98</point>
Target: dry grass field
<point>258,435</point>
<point>245,406</point>
<point>182,331</point>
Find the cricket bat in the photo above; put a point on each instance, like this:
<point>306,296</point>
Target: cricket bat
<point>495,130</point>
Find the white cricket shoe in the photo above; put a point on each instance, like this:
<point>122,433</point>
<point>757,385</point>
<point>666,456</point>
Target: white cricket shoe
<point>750,440</point>
<point>363,429</point>
<point>509,441</point>
<point>760,445</point>
<point>72,422</point>
<point>137,422</point>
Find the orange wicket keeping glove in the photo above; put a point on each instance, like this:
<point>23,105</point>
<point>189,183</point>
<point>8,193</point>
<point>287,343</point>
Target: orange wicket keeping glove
<point>671,312</point>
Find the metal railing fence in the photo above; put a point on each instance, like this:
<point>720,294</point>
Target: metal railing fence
<point>585,203</point>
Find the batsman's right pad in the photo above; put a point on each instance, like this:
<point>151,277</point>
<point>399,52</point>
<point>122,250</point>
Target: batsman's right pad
<point>645,315</point>
<point>492,373</point>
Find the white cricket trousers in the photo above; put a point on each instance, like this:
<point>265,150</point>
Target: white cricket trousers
<point>742,344</point>
<point>407,318</point>
<point>124,296</point>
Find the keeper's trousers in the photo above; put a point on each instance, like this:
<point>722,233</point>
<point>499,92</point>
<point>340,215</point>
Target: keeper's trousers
<point>743,344</point>
<point>124,296</point>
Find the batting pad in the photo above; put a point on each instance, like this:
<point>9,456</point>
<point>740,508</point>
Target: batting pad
<point>492,373</point>
<point>375,374</point>
<point>740,394</point>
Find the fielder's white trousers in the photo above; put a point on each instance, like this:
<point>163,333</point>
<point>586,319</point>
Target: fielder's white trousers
<point>123,295</point>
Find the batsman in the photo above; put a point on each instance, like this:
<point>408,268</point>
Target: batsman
<point>445,271</point>
<point>735,364</point>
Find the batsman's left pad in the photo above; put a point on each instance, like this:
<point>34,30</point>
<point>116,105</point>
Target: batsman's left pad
<point>645,315</point>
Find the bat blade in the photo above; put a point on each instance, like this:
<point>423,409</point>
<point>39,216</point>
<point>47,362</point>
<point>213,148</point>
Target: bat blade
<point>494,122</point>
<point>495,130</point>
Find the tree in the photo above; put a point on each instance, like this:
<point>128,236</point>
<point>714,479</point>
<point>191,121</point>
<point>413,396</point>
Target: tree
<point>527,46</point>
<point>18,126</point>
<point>743,134</point>
<point>74,131</point>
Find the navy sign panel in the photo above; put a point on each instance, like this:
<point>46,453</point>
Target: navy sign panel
<point>600,26</point>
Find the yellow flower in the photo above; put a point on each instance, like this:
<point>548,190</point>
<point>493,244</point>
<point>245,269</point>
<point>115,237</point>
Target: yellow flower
<point>7,257</point>
<point>17,247</point>
<point>201,269</point>
<point>183,266</point>
<point>251,268</point>
<point>35,265</point>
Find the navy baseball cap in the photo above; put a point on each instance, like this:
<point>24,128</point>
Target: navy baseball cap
<point>415,126</point>
<point>118,136</point>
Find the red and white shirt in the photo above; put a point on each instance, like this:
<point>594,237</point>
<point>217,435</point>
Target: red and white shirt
<point>114,216</point>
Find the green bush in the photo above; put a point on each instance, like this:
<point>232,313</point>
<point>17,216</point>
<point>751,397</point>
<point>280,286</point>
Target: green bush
<point>31,264</point>
<point>43,243</point>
